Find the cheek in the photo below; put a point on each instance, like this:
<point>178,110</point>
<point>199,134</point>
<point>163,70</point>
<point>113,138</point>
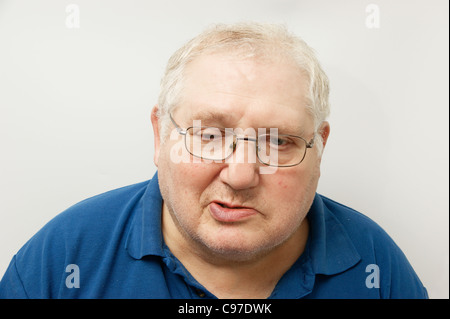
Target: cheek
<point>290,182</point>
<point>183,182</point>
<point>182,167</point>
<point>282,185</point>
<point>290,188</point>
<point>193,177</point>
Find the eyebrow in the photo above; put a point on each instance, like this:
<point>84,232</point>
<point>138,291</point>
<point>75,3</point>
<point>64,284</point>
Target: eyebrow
<point>213,117</point>
<point>226,120</point>
<point>297,130</point>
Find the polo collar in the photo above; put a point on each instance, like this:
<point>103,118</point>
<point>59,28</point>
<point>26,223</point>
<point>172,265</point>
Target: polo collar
<point>329,248</point>
<point>145,236</point>
<point>328,251</point>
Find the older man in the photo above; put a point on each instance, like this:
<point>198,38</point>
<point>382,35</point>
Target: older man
<point>239,131</point>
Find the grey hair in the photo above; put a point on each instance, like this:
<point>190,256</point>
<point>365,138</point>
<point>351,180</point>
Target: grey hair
<point>246,40</point>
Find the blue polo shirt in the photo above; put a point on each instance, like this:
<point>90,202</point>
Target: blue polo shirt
<point>111,246</point>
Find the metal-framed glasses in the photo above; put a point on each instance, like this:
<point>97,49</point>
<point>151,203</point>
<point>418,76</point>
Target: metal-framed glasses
<point>218,144</point>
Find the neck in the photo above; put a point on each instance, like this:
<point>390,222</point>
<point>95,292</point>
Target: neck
<point>231,278</point>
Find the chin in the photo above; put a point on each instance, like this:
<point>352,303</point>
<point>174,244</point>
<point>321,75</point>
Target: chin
<point>239,248</point>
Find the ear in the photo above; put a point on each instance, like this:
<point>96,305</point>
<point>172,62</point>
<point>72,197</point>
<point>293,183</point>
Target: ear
<point>156,136</point>
<point>324,132</point>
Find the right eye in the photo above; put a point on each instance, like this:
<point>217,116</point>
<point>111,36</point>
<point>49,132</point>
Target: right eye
<point>210,137</point>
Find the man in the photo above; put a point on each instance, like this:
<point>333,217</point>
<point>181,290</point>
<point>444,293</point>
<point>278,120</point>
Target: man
<point>232,212</point>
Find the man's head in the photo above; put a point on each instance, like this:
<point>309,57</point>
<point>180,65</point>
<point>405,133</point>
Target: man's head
<point>240,76</point>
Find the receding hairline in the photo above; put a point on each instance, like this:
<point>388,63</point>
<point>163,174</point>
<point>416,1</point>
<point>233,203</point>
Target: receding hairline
<point>244,40</point>
<point>263,54</point>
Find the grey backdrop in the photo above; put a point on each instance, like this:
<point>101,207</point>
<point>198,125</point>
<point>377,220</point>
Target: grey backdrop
<point>78,80</point>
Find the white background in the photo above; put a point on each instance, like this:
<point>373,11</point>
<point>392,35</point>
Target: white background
<point>75,107</point>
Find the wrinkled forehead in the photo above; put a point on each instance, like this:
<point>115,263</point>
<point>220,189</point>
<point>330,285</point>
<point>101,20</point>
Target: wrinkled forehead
<point>235,92</point>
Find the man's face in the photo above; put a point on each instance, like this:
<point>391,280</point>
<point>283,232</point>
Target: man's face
<point>263,210</point>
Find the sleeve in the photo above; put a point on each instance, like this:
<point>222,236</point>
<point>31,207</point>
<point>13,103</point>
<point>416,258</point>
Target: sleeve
<point>11,286</point>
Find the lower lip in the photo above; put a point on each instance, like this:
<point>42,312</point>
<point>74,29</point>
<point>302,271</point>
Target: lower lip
<point>228,215</point>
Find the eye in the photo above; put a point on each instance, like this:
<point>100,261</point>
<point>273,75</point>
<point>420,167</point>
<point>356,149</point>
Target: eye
<point>277,141</point>
<point>209,137</point>
<point>210,134</point>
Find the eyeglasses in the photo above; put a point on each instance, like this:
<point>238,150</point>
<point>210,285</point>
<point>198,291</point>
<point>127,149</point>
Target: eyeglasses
<point>218,144</point>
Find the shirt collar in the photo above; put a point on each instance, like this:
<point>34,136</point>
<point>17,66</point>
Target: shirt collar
<point>328,251</point>
<point>329,248</point>
<point>145,236</point>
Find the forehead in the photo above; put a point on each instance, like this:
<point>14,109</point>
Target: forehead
<point>245,91</point>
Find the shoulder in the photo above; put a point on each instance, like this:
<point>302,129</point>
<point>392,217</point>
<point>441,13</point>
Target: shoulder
<point>98,213</point>
<point>113,199</point>
<point>377,249</point>
<point>367,236</point>
<point>103,208</point>
<point>355,223</point>
<point>86,231</point>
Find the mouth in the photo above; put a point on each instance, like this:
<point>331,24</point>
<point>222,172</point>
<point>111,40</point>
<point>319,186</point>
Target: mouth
<point>225,205</point>
<point>228,213</point>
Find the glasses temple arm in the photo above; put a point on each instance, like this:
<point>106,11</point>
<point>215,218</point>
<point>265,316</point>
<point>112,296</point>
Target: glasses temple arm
<point>177,127</point>
<point>310,144</point>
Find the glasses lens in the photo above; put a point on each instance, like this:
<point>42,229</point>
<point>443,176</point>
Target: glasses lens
<point>281,150</point>
<point>209,142</point>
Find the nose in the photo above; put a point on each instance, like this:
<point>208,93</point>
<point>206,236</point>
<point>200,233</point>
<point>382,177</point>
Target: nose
<point>242,169</point>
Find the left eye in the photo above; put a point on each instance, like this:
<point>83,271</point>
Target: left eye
<point>278,141</point>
